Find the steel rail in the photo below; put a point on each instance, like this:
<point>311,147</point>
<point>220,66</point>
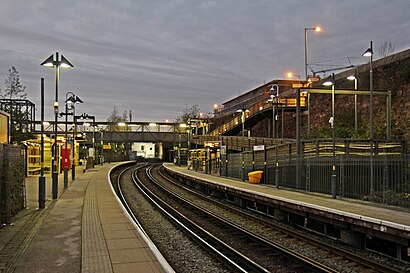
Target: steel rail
<point>317,266</point>
<point>230,257</point>
<point>363,261</point>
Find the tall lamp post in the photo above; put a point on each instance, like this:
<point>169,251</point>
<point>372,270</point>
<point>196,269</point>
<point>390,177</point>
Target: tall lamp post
<point>70,100</point>
<point>306,57</point>
<point>102,146</point>
<point>86,116</point>
<point>275,95</point>
<point>274,98</point>
<point>56,63</point>
<point>330,81</point>
<point>369,53</point>
<point>354,78</point>
<point>42,179</point>
<point>243,116</point>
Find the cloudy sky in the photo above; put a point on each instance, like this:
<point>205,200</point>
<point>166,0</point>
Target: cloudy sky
<point>155,57</point>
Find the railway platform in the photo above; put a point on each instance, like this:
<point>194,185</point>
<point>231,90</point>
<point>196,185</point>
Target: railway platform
<point>84,230</point>
<point>352,221</point>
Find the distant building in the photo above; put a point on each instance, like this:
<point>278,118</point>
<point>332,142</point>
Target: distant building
<point>144,149</point>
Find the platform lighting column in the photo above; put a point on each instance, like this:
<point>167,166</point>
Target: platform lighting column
<point>306,55</point>
<point>369,53</point>
<point>94,152</point>
<point>331,82</point>
<point>42,179</point>
<point>102,147</point>
<point>298,129</point>
<point>70,100</point>
<point>243,117</point>
<point>354,78</point>
<point>56,63</point>
<point>73,148</point>
<point>276,95</point>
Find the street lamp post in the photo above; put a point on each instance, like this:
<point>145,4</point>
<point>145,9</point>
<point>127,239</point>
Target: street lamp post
<point>73,150</point>
<point>42,179</point>
<point>243,113</point>
<point>102,147</point>
<point>369,53</point>
<point>56,63</point>
<point>331,82</point>
<point>276,96</point>
<point>86,116</point>
<point>70,99</point>
<point>306,57</point>
<point>354,78</point>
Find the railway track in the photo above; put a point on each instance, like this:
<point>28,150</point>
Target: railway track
<point>181,252</point>
<point>244,250</point>
<point>250,244</point>
<point>275,231</point>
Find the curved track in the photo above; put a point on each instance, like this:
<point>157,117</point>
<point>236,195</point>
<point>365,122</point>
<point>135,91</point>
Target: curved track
<point>241,248</point>
<point>330,251</point>
<point>237,245</point>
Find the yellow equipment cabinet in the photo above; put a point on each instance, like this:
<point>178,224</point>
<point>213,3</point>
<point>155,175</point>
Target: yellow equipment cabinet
<point>255,177</point>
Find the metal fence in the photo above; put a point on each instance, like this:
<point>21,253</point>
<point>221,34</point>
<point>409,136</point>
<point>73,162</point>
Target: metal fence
<point>12,181</point>
<point>312,170</point>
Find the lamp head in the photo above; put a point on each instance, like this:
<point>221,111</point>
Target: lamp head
<point>49,62</point>
<point>329,81</point>
<point>291,75</point>
<point>368,52</point>
<point>351,78</point>
<point>77,100</point>
<point>317,29</point>
<point>64,63</point>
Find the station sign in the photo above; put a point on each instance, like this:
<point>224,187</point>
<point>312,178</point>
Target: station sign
<point>297,85</point>
<point>300,85</point>
<point>212,144</point>
<point>223,149</point>
<point>259,147</point>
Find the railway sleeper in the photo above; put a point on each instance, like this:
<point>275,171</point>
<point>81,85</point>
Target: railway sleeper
<point>353,235</point>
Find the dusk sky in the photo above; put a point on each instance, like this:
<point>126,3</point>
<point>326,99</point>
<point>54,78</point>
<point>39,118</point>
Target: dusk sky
<point>157,57</point>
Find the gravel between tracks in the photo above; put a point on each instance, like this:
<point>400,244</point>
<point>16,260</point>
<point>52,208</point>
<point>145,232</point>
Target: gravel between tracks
<point>181,253</point>
<point>269,233</point>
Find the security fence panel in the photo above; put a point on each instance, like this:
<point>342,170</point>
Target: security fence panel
<point>247,159</point>
<point>234,165</point>
<point>259,160</point>
<point>12,181</point>
<point>353,161</point>
<point>223,164</point>
<point>320,173</point>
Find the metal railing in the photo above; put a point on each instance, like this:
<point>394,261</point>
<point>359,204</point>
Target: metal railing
<point>391,169</point>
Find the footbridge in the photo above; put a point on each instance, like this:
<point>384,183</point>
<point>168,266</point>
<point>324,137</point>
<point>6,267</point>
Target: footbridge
<point>124,132</point>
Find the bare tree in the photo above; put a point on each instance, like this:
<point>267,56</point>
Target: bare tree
<point>12,101</point>
<point>192,112</point>
<point>14,89</point>
<point>387,48</point>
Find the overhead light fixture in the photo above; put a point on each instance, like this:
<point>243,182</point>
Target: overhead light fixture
<point>328,81</point>
<point>49,62</point>
<point>368,52</point>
